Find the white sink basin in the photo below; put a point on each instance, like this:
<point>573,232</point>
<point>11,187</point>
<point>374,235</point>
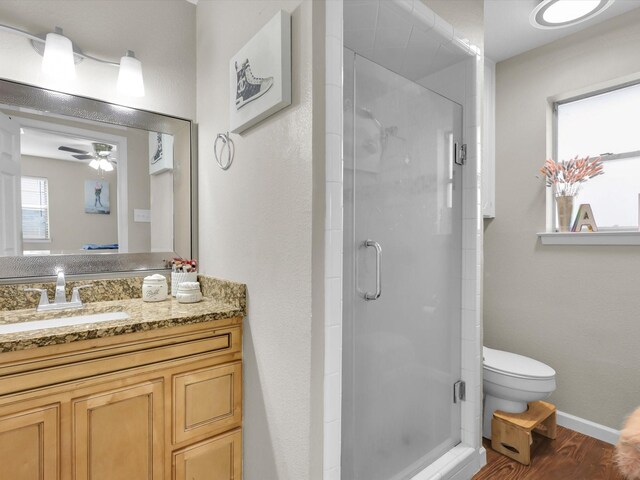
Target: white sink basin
<point>62,322</point>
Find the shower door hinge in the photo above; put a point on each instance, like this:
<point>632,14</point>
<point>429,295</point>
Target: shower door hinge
<point>459,391</point>
<point>460,152</point>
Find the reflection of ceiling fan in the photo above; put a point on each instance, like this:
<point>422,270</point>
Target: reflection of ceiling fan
<point>101,156</point>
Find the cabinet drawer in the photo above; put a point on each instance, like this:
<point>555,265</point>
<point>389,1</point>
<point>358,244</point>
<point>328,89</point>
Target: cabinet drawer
<point>207,401</point>
<point>116,358</point>
<point>217,458</point>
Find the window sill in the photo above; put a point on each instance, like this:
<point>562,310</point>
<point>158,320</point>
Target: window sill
<point>590,238</point>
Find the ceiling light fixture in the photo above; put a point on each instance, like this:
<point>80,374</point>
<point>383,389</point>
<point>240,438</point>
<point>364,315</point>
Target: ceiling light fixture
<point>60,55</point>
<point>550,14</point>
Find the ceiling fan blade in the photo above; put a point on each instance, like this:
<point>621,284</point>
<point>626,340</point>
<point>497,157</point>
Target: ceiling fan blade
<point>82,157</point>
<point>73,150</point>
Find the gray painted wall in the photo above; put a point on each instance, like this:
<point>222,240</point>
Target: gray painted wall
<point>259,224</point>
<point>573,307</point>
<point>69,225</point>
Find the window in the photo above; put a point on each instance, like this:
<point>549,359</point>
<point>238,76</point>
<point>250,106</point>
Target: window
<point>35,209</point>
<point>605,124</point>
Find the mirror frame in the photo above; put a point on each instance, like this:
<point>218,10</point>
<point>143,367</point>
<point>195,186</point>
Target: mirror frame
<point>28,268</point>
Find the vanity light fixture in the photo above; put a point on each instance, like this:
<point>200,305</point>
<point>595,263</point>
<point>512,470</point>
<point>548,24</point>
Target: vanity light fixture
<point>57,58</point>
<point>130,75</point>
<point>60,55</point>
<point>550,14</point>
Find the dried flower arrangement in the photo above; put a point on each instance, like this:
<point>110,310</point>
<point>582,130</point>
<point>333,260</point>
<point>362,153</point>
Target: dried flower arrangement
<point>181,265</point>
<point>567,176</point>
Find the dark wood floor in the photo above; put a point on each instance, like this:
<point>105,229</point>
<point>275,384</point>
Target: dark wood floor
<point>571,456</point>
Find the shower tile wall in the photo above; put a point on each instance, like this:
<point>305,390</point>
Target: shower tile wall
<point>333,242</point>
<point>422,25</point>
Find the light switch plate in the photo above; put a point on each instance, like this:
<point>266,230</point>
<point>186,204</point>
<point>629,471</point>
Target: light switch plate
<point>141,216</point>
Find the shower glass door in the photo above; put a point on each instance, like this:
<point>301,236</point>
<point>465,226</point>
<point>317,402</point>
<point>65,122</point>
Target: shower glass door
<point>402,274</point>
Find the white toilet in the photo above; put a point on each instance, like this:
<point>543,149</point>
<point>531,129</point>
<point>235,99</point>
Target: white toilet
<point>511,381</point>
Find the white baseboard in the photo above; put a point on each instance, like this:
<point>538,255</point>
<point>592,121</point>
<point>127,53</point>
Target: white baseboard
<point>587,427</point>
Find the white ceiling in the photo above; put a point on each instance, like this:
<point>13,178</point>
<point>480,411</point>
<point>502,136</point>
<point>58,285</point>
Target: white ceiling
<point>508,32</point>
<point>44,143</point>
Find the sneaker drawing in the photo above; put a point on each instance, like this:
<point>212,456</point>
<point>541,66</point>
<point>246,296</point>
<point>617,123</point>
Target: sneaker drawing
<point>158,155</point>
<point>249,87</point>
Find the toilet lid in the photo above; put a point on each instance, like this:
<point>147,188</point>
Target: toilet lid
<point>515,365</point>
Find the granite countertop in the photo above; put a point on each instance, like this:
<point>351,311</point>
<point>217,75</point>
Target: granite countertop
<point>222,300</point>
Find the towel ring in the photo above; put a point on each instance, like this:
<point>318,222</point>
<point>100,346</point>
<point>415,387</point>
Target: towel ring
<point>227,144</point>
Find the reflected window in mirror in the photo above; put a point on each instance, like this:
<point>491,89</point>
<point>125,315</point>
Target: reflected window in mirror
<point>35,209</point>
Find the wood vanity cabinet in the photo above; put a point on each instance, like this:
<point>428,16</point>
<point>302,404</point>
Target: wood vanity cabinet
<point>164,404</point>
<point>29,444</point>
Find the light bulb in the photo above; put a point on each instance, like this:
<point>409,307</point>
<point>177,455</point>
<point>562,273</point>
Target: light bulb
<point>94,164</point>
<point>58,56</point>
<point>130,81</point>
<point>106,165</point>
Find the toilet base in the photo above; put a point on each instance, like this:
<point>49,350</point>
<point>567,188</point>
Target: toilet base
<point>491,404</point>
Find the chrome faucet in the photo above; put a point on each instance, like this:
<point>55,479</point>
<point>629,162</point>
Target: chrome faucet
<point>60,299</point>
<point>60,296</point>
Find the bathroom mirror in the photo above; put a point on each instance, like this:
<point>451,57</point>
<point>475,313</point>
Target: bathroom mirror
<point>92,187</point>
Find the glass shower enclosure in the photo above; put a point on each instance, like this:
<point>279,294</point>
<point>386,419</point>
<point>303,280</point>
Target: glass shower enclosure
<point>402,273</point>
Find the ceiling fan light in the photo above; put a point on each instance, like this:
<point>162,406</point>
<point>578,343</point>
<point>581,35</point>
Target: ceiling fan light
<point>58,56</point>
<point>550,14</point>
<point>130,81</point>
<point>94,164</point>
<point>105,165</point>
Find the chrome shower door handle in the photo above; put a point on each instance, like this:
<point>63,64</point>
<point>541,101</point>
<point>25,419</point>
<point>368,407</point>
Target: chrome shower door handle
<point>376,295</point>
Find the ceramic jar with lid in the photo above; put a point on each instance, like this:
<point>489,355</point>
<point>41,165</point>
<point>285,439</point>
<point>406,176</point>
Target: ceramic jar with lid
<point>188,292</point>
<point>178,277</point>
<point>154,288</point>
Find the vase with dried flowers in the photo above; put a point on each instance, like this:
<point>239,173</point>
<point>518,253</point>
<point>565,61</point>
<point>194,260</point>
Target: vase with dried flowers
<point>182,270</point>
<point>566,177</point>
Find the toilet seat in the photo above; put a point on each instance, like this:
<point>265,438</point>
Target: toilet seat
<point>516,366</point>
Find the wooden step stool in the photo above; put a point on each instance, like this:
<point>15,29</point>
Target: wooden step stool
<point>511,432</point>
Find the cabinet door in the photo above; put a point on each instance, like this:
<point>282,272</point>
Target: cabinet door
<point>29,445</point>
<point>219,458</point>
<point>207,402</point>
<point>118,434</point>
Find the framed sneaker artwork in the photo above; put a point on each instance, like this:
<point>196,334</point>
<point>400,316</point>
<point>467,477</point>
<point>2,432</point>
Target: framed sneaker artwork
<point>260,74</point>
<point>160,152</point>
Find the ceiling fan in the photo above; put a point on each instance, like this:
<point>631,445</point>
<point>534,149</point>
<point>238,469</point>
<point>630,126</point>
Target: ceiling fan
<point>101,158</point>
